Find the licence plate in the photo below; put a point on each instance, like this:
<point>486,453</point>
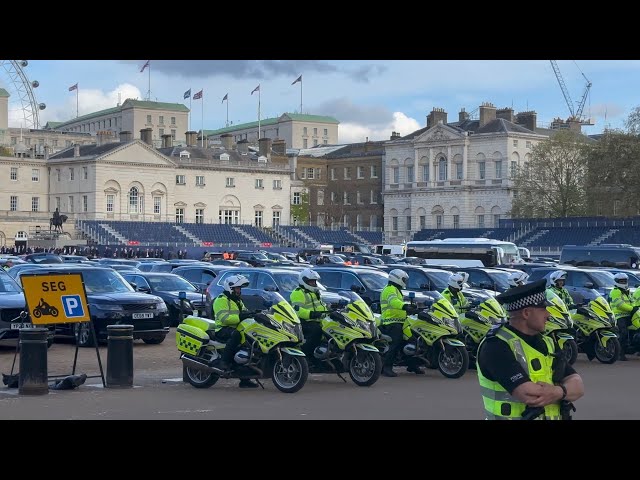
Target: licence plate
<point>16,326</point>
<point>137,316</point>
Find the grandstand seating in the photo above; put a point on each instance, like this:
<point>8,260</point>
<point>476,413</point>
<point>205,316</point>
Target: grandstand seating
<point>373,238</point>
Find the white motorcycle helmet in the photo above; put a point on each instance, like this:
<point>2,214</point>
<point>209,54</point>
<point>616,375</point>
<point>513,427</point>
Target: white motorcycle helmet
<point>235,281</point>
<point>517,278</point>
<point>621,280</point>
<point>558,275</point>
<point>399,277</point>
<point>310,280</point>
<point>456,281</point>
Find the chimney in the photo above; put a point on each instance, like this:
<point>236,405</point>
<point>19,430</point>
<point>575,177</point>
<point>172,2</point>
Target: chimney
<point>146,135</point>
<point>76,150</point>
<point>395,135</point>
<point>243,146</point>
<point>437,115</point>
<point>487,114</point>
<point>463,115</point>
<point>102,137</point>
<point>167,140</point>
<point>46,152</point>
<point>125,136</point>
<point>527,120</point>
<point>192,138</point>
<point>279,147</point>
<point>506,113</point>
<point>227,140</point>
<point>264,147</point>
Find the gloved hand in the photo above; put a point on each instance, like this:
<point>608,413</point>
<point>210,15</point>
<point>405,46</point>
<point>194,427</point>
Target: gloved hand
<point>246,314</point>
<point>410,309</point>
<point>315,315</point>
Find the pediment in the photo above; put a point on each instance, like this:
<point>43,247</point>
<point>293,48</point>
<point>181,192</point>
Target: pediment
<point>199,205</point>
<point>276,207</point>
<point>179,204</point>
<point>111,190</point>
<point>439,133</point>
<point>158,193</point>
<point>136,153</point>
<point>258,207</point>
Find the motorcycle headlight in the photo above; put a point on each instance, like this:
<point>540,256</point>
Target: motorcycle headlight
<point>106,307</point>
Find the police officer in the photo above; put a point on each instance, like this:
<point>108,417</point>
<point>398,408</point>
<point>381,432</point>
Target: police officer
<point>394,313</point>
<point>517,278</point>
<point>518,370</point>
<point>558,279</point>
<point>228,312</point>
<point>307,303</point>
<point>623,309</point>
<point>453,292</point>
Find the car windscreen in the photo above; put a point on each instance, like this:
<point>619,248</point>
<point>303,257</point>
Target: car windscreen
<point>500,278</point>
<point>603,279</point>
<point>8,284</point>
<point>169,283</point>
<point>286,281</point>
<point>440,280</point>
<point>374,280</point>
<point>105,281</point>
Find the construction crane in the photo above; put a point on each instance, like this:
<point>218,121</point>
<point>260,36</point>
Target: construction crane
<point>576,114</point>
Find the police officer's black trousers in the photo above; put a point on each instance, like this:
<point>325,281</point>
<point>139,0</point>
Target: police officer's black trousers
<point>394,330</point>
<point>623,333</point>
<point>231,345</point>
<point>312,337</point>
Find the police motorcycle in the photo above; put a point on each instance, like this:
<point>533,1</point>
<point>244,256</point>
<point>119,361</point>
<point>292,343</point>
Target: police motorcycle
<point>594,330</point>
<point>632,341</point>
<point>559,327</point>
<point>348,333</point>
<point>431,337</point>
<point>476,321</point>
<point>267,348</point>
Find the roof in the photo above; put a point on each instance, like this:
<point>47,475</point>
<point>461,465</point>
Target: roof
<point>285,117</point>
<point>52,125</point>
<point>319,151</point>
<point>4,93</point>
<point>362,149</point>
<point>87,150</point>
<point>502,125</point>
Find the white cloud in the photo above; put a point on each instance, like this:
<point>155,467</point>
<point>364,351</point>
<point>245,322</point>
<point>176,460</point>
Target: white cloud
<point>352,132</point>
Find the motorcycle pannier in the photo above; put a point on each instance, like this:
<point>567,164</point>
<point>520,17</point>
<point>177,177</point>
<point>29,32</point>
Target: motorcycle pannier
<point>190,339</point>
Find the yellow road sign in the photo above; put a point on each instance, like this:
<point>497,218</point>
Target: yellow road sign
<point>55,298</point>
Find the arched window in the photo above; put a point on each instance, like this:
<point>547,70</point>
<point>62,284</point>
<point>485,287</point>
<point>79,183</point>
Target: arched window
<point>442,169</point>
<point>133,200</point>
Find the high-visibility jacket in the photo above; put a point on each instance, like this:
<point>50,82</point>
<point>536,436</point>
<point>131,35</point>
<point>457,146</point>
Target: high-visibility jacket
<point>621,303</point>
<point>227,311</point>
<point>563,293</point>
<point>458,300</point>
<point>498,403</point>
<point>307,302</point>
<point>391,303</point>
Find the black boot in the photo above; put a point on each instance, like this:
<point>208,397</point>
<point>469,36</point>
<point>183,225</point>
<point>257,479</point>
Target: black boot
<point>415,369</point>
<point>248,383</point>
<point>387,371</point>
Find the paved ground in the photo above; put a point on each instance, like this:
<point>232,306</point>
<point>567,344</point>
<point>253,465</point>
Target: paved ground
<point>612,392</point>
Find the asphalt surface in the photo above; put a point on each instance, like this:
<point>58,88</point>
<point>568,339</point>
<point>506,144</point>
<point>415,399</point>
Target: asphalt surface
<point>612,392</point>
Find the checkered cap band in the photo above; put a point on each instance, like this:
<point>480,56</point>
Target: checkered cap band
<point>528,301</point>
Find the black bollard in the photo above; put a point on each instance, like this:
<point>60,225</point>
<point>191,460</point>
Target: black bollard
<point>119,356</point>
<point>33,362</point>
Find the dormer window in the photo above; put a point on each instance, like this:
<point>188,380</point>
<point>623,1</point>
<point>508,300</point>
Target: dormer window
<point>184,154</point>
<point>224,157</point>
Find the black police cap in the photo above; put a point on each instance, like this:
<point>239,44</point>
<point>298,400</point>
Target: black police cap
<point>527,295</point>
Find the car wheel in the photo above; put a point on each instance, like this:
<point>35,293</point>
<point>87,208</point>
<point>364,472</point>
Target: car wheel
<point>154,340</point>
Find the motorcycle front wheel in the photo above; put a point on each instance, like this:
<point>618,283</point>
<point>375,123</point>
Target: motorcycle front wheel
<point>200,378</point>
<point>365,368</point>
<point>290,373</point>
<point>570,349</point>
<point>453,361</point>
<point>608,354</point>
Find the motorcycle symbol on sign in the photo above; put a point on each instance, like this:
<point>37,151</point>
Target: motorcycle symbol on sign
<point>43,308</point>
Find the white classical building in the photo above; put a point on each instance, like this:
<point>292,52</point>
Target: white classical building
<point>453,175</point>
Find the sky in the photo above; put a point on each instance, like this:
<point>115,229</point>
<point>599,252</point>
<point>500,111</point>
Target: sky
<point>370,98</point>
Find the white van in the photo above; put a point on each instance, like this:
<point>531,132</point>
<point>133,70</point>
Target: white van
<point>390,250</point>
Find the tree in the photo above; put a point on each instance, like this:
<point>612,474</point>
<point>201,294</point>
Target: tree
<point>632,123</point>
<point>334,207</point>
<point>6,152</point>
<point>300,212</point>
<point>553,184</point>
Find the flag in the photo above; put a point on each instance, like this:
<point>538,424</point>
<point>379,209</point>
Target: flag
<point>187,94</point>
<point>198,95</point>
<point>145,66</point>
<point>299,79</point>
<point>73,87</point>
<point>257,89</point>
<point>226,97</point>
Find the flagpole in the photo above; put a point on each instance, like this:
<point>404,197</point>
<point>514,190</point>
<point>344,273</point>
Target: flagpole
<point>300,96</point>
<point>258,111</point>
<point>227,110</point>
<point>77,108</point>
<point>189,127</point>
<point>202,128</point>
<point>149,91</point>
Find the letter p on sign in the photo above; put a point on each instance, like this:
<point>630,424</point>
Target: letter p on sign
<point>72,306</point>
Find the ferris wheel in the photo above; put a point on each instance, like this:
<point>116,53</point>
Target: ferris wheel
<point>24,104</point>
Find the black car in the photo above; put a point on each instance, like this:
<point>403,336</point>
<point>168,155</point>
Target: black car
<point>487,278</point>
<point>168,266</point>
<point>112,301</point>
<point>200,275</point>
<point>168,286</point>
<point>43,258</point>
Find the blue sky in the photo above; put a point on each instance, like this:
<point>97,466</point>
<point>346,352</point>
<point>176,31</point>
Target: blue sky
<point>370,98</point>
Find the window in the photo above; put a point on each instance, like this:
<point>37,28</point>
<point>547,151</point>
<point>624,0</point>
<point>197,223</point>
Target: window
<point>173,120</point>
<point>408,223</point>
<point>180,180</point>
<point>480,221</point>
<point>229,217</point>
<point>200,180</point>
<point>304,130</point>
<point>173,134</point>
<point>35,204</point>
<point>55,142</point>
<point>410,174</point>
<point>230,182</point>
<point>71,204</point>
<point>345,221</point>
<point>425,173</point>
<point>458,171</point>
<point>358,198</point>
<point>373,221</point>
<point>57,174</point>
<point>85,173</point>
<point>396,174</point>
<point>297,200</point>
<point>345,198</point>
<point>515,143</point>
<point>320,200</point>
<point>276,218</point>
<point>498,168</point>
<point>394,224</point>
<point>333,197</point>
<point>305,143</point>
<point>372,197</point>
<point>161,131</point>
<point>325,142</point>
<point>442,170</point>
<point>315,131</point>
<point>71,175</point>
<point>439,220</point>
<point>161,120</point>
<point>514,169</point>
<point>157,201</point>
<point>257,218</point>
<point>148,118</point>
<point>456,221</point>
<point>27,141</point>
<point>35,175</point>
<point>58,203</point>
<point>13,203</point>
<point>496,220</point>
<point>14,173</point>
<point>481,170</point>
<point>179,215</point>
<point>326,132</point>
<point>528,144</point>
<point>133,200</point>
<point>41,141</point>
<point>374,171</point>
<point>423,221</point>
<point>14,140</point>
<point>199,215</point>
<point>333,174</point>
<point>315,142</point>
<point>360,172</point>
<point>310,173</point>
<point>347,173</point>
<point>85,203</point>
<point>277,184</point>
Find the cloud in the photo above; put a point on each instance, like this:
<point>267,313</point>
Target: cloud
<point>363,73</point>
<point>346,111</point>
<point>354,132</point>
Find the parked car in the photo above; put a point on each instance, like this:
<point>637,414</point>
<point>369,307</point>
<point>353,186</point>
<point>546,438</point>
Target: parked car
<point>257,259</point>
<point>583,284</point>
<point>12,303</point>
<point>634,275</point>
<point>43,258</point>
<point>111,301</point>
<point>168,286</point>
<point>200,275</point>
<point>230,263</point>
<point>494,279</point>
<point>168,266</point>
<point>281,280</point>
<point>74,258</point>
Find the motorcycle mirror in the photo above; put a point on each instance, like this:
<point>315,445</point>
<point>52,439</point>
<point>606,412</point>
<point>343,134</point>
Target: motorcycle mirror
<point>182,295</point>
<point>412,295</point>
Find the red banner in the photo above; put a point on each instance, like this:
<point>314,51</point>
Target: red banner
<point>266,244</point>
<point>207,244</point>
<point>133,242</point>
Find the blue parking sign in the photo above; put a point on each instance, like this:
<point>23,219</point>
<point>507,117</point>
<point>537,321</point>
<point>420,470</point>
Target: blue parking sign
<point>72,306</point>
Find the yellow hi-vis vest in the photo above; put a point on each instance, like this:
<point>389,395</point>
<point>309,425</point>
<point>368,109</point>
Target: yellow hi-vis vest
<point>306,302</point>
<point>391,303</point>
<point>498,403</point>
